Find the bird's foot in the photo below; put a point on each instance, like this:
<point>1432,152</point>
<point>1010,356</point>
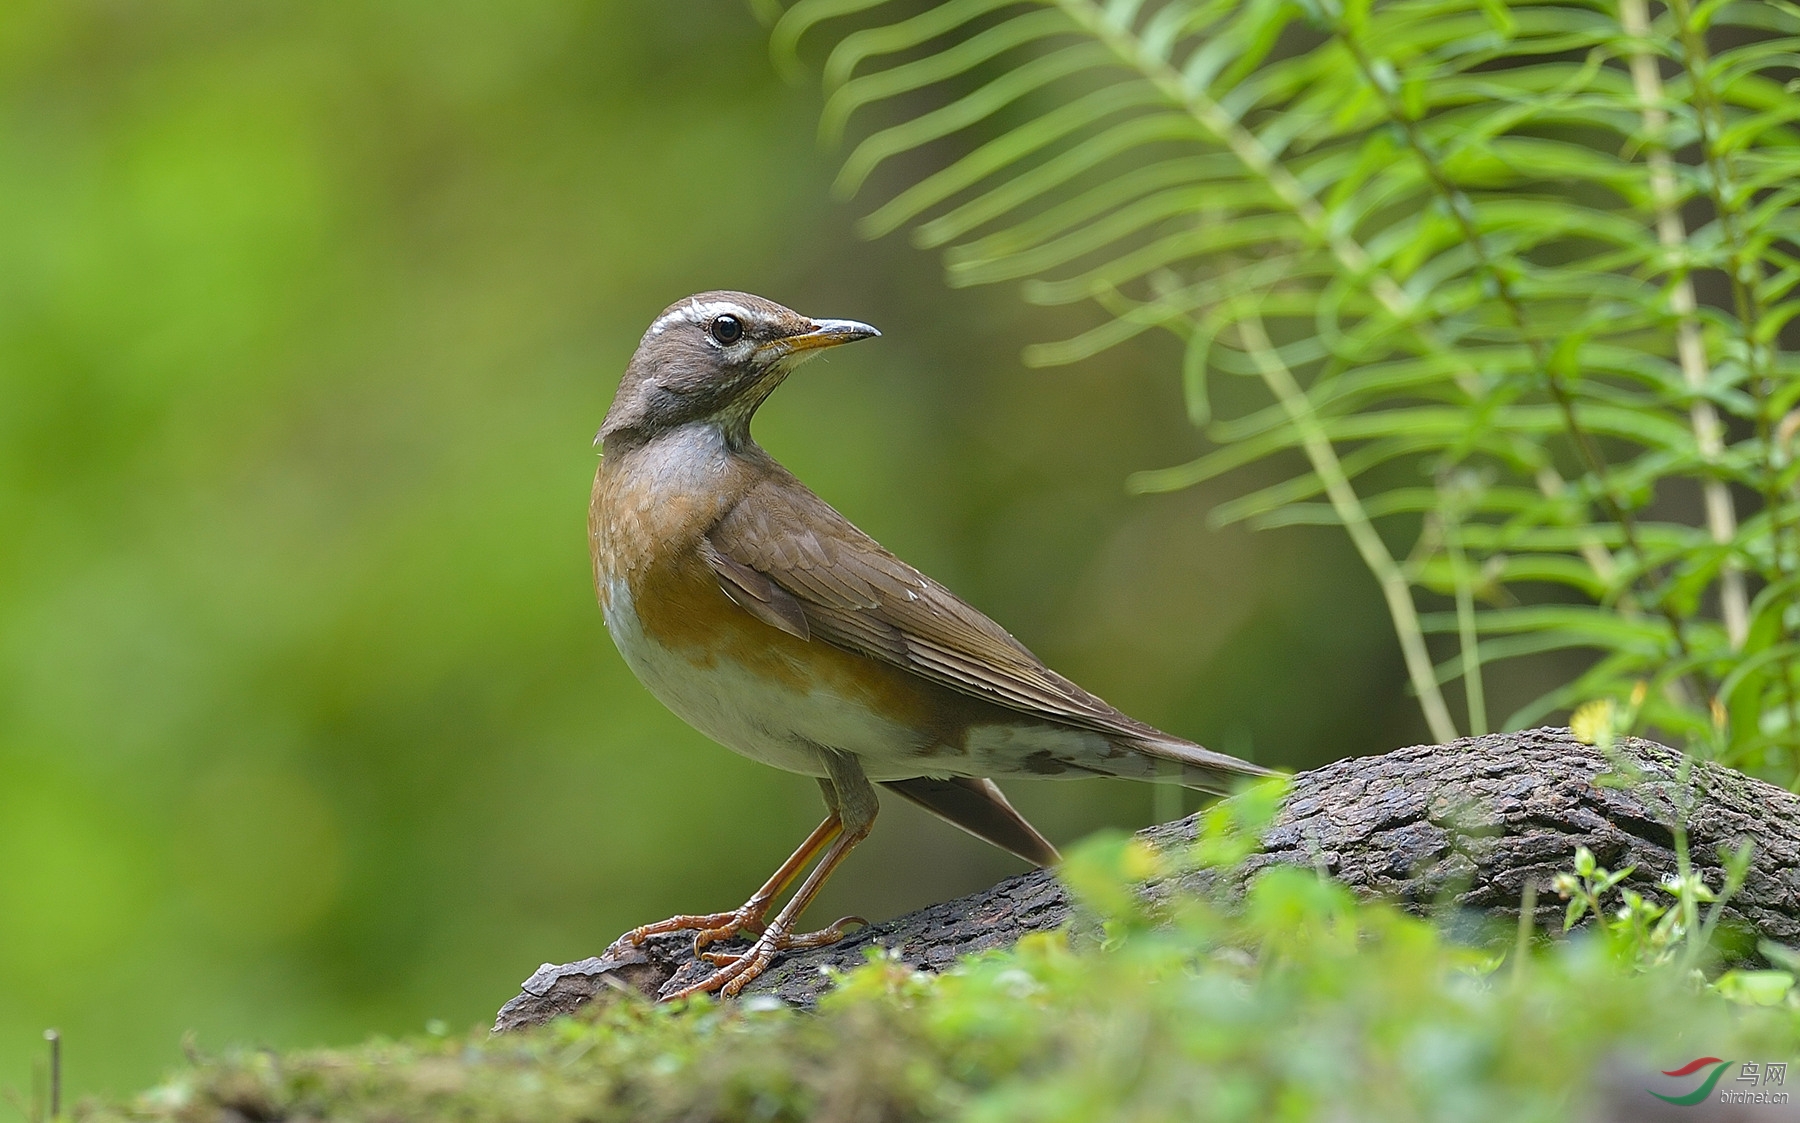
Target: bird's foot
<point>738,971</point>
<point>749,918</point>
<point>718,925</point>
<point>796,941</point>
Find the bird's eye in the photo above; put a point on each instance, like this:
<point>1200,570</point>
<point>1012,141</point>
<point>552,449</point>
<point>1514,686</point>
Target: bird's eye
<point>727,329</point>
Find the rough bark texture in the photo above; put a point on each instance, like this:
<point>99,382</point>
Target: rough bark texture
<point>1463,827</point>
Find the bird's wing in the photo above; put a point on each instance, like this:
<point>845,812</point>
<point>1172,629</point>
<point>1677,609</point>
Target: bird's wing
<point>981,808</point>
<point>787,557</point>
<point>791,560</point>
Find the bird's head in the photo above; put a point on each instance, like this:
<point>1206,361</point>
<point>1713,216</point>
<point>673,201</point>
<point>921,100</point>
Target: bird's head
<point>715,357</point>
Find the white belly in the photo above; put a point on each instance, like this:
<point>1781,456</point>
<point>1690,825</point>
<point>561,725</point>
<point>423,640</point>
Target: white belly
<point>757,717</point>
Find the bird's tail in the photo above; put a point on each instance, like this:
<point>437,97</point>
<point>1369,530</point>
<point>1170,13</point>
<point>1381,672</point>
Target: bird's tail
<point>1195,766</point>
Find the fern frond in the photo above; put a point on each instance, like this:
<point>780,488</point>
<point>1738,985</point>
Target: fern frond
<point>1461,239</point>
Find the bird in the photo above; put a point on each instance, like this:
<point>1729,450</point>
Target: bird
<point>770,623</point>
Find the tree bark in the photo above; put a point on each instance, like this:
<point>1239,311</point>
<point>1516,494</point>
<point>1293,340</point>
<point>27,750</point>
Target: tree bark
<point>1458,829</point>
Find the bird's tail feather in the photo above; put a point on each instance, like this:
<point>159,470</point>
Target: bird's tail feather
<point>1196,766</point>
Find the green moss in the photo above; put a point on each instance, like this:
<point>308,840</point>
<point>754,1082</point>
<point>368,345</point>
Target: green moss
<point>1300,1004</point>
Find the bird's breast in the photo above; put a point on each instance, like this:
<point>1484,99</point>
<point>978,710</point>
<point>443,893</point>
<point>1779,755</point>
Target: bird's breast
<point>755,689</point>
<point>655,502</point>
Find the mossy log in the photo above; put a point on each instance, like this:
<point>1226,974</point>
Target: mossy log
<point>1461,828</point>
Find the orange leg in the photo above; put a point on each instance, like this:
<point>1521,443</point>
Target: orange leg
<point>736,972</point>
<point>713,926</point>
<point>853,803</point>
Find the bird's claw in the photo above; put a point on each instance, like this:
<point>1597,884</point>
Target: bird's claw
<point>705,922</point>
<point>743,920</point>
<point>735,972</point>
<point>830,934</point>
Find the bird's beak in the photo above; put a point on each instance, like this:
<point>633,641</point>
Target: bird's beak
<point>829,333</point>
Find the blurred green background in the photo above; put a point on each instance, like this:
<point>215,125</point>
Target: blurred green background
<point>309,728</point>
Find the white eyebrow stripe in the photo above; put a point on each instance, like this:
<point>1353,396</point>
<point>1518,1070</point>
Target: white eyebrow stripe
<point>694,313</point>
<point>678,313</point>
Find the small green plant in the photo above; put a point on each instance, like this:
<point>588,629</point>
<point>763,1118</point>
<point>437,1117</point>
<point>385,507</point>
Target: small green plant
<point>1645,934</point>
<point>1515,282</point>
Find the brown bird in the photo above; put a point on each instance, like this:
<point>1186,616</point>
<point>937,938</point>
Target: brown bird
<point>767,621</point>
